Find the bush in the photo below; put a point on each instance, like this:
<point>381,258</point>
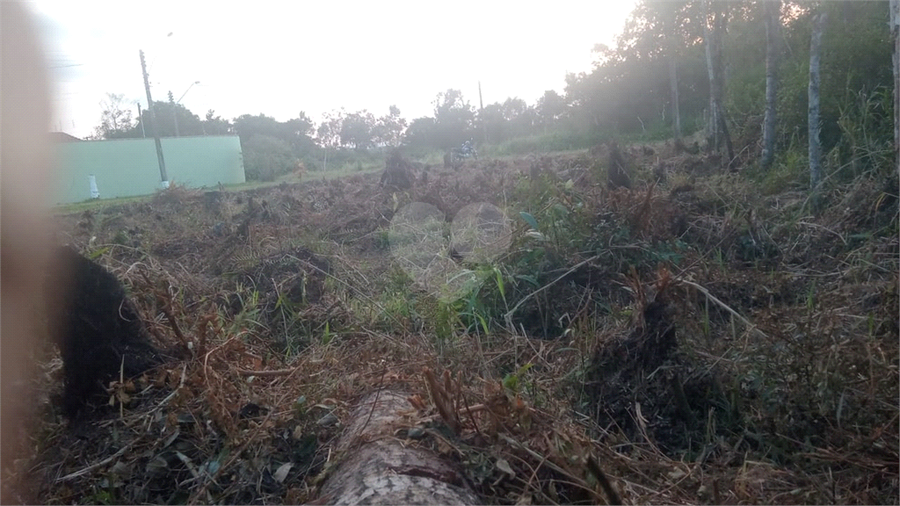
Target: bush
<point>554,141</point>
<point>266,158</point>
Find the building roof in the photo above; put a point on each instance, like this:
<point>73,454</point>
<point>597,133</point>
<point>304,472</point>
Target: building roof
<point>63,137</point>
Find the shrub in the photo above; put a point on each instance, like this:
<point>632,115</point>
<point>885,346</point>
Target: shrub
<point>266,158</point>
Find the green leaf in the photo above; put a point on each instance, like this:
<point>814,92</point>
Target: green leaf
<point>97,252</point>
<point>483,324</point>
<point>511,382</point>
<point>528,278</point>
<point>327,336</point>
<point>500,285</point>
<point>522,370</point>
<point>530,219</point>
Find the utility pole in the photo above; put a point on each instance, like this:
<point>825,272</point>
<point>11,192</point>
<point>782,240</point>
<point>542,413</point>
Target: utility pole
<point>481,113</point>
<point>164,179</point>
<point>175,117</point>
<point>141,121</point>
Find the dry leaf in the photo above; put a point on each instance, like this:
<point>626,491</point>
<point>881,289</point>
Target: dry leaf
<point>504,466</point>
<point>282,472</point>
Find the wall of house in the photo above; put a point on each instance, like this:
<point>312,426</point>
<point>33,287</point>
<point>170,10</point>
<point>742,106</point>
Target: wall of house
<point>129,167</point>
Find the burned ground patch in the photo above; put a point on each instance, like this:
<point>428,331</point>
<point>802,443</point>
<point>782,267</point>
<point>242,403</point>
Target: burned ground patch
<point>640,385</point>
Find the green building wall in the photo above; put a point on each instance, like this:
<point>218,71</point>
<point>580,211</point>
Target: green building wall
<point>129,167</point>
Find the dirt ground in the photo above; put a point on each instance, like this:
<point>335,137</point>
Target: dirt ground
<point>702,341</point>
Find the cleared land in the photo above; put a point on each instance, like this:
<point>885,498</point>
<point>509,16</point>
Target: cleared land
<point>704,340</point>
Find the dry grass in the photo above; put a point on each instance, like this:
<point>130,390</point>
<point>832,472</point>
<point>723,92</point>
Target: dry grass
<point>284,307</point>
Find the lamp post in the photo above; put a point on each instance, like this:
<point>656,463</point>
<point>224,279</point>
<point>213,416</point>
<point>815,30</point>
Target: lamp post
<point>175,109</point>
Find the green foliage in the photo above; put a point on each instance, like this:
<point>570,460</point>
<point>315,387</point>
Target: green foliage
<point>856,58</point>
<point>627,93</point>
<point>511,119</point>
<point>358,130</point>
<point>544,143</point>
<point>453,120</point>
<point>549,110</point>
<point>790,170</point>
<point>215,125</point>
<point>167,113</point>
<point>115,120</point>
<point>389,129</point>
<point>629,86</point>
<point>295,132</point>
<point>420,133</point>
<point>266,158</point>
<point>511,382</point>
<point>866,141</point>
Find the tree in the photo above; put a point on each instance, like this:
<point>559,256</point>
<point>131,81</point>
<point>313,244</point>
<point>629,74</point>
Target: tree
<point>895,39</point>
<point>662,34</point>
<point>773,31</point>
<point>493,122</point>
<point>632,85</point>
<point>453,119</point>
<point>549,108</point>
<point>512,118</point>
<point>297,128</point>
<point>389,129</point>
<point>329,132</point>
<point>858,64</point>
<point>267,157</point>
<point>717,127</point>
<point>115,120</point>
<point>519,117</point>
<point>166,113</point>
<point>420,133</point>
<point>298,133</point>
<point>815,146</point>
<point>358,130</point>
<point>295,132</point>
<point>292,135</point>
<point>660,30</point>
<point>247,125</point>
<point>670,14</point>
<point>215,125</point>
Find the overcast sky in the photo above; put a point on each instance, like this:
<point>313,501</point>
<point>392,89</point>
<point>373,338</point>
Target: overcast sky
<point>283,57</point>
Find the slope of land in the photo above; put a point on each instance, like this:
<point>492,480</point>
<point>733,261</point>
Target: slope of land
<point>704,341</point>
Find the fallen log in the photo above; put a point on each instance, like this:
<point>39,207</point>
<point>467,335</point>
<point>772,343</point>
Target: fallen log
<point>377,467</point>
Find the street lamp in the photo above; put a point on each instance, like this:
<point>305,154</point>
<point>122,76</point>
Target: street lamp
<point>175,109</point>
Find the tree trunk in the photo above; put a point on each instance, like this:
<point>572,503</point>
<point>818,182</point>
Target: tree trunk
<point>895,38</point>
<point>815,147</point>
<point>773,29</point>
<point>676,114</point>
<point>671,22</point>
<point>377,467</point>
<point>712,137</point>
<point>717,127</point>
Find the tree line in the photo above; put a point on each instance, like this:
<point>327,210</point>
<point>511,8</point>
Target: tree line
<point>761,79</point>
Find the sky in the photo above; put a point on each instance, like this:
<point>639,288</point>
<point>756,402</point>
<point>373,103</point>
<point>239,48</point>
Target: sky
<point>286,56</point>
